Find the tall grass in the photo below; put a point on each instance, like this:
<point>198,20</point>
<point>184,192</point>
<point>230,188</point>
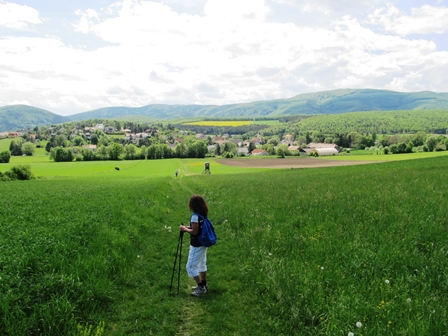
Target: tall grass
<point>318,251</point>
<point>300,251</point>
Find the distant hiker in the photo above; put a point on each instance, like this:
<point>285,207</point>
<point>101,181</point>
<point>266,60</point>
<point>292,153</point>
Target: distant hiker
<point>177,172</point>
<point>197,257</point>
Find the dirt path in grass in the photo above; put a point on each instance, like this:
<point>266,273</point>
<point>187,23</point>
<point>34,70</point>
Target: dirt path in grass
<point>289,163</point>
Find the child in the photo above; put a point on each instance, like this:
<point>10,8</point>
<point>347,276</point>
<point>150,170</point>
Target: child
<point>197,257</point>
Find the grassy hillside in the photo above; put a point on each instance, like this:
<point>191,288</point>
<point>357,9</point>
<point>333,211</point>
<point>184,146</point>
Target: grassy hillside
<point>300,251</point>
<point>18,117</point>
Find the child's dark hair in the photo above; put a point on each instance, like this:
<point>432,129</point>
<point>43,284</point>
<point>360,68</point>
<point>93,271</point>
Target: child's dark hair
<point>198,204</point>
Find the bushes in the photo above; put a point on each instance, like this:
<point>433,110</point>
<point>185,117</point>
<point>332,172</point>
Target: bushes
<point>61,154</point>
<point>228,155</point>
<point>5,156</point>
<point>314,153</point>
<point>17,173</point>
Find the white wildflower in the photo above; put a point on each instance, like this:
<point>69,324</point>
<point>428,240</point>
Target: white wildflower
<point>351,334</point>
<point>322,268</point>
<point>387,281</point>
<point>359,324</point>
<point>409,300</point>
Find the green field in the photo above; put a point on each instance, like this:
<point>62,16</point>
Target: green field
<point>4,144</point>
<point>89,250</point>
<point>382,157</point>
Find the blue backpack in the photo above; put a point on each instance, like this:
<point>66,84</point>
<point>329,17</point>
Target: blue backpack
<point>208,236</point>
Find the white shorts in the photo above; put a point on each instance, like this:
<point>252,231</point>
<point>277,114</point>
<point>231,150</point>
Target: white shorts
<point>197,261</point>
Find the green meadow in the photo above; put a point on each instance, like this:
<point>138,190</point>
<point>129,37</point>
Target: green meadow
<point>88,250</point>
<point>373,156</point>
<point>4,144</point>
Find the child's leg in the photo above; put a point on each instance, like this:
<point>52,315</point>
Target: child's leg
<point>202,267</point>
<point>195,258</point>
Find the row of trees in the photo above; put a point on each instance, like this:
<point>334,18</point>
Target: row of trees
<point>116,151</point>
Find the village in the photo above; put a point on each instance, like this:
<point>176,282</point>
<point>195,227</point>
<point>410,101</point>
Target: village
<point>93,137</point>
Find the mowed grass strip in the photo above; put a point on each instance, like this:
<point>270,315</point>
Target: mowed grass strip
<point>306,252</point>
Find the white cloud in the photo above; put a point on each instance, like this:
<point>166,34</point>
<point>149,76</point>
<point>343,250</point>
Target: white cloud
<point>86,20</point>
<point>287,2</point>
<point>236,9</point>
<point>328,6</point>
<point>312,8</point>
<point>230,54</point>
<point>16,16</point>
<point>423,20</point>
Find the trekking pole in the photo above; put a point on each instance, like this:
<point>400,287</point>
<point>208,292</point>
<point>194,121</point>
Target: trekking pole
<point>179,246</point>
<point>180,261</point>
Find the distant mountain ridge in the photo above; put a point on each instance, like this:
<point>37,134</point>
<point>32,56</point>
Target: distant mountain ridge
<point>17,117</point>
<point>325,102</point>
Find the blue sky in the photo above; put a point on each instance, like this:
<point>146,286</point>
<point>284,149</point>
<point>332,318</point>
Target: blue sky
<point>74,56</point>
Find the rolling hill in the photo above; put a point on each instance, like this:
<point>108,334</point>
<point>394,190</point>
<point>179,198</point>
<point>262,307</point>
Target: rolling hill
<point>17,117</point>
<point>325,102</point>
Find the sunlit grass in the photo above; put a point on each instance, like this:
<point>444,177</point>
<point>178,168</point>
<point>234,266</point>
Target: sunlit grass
<point>4,144</point>
<point>300,251</point>
<point>388,157</point>
<point>43,167</point>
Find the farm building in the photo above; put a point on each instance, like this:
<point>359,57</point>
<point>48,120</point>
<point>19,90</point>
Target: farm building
<point>243,151</point>
<point>297,150</point>
<point>322,151</point>
<point>259,152</point>
<point>317,145</point>
<point>327,151</point>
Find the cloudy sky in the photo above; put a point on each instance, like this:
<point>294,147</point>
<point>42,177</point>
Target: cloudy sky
<point>74,56</point>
